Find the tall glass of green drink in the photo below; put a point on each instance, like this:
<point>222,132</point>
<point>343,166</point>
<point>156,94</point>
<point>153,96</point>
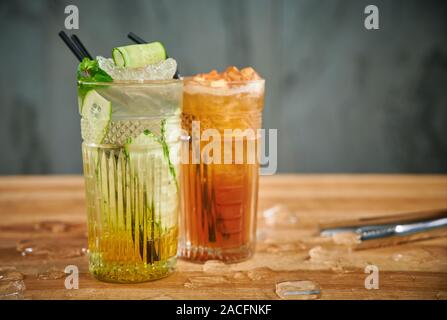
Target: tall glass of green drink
<point>130,129</point>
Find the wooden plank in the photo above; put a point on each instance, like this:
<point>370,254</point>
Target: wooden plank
<point>48,214</point>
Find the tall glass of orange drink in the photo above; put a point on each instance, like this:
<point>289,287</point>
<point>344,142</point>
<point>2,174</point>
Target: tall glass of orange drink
<point>219,198</point>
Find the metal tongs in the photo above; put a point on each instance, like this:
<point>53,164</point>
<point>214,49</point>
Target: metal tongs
<point>394,229</point>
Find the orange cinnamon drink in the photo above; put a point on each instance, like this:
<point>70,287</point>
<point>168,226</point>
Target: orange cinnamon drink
<point>219,194</point>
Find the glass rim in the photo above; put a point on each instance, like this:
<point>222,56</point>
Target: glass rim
<point>232,82</point>
<point>132,83</point>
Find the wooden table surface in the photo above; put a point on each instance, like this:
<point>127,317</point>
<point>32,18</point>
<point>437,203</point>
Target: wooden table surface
<point>43,229</point>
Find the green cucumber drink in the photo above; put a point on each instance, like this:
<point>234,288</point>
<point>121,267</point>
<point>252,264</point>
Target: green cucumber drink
<point>130,107</point>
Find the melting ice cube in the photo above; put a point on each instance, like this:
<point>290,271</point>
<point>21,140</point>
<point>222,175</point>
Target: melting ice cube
<point>298,290</point>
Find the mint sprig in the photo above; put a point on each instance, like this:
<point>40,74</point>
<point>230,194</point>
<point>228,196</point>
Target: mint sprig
<point>89,71</point>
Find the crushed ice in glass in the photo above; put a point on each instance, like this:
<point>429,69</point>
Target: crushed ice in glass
<point>163,70</point>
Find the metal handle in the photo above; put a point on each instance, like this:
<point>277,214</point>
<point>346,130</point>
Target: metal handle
<point>374,232</point>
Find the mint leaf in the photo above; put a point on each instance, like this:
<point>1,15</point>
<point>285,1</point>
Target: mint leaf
<point>89,70</point>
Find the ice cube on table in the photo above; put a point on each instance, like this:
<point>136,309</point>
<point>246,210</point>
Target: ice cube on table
<point>163,70</point>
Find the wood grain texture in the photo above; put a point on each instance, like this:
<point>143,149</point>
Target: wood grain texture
<point>48,212</point>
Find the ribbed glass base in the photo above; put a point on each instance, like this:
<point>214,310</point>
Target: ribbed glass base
<point>131,273</point>
<point>202,254</point>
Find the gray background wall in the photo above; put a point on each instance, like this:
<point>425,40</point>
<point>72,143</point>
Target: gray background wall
<point>343,98</point>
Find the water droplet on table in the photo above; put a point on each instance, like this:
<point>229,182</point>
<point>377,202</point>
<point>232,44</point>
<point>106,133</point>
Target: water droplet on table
<point>260,274</point>
<point>441,295</point>
<point>416,257</point>
<point>261,235</point>
<point>28,247</point>
<point>285,247</point>
<point>51,274</point>
<point>161,297</point>
<point>10,274</point>
<point>279,214</point>
<point>337,259</point>
<point>346,238</point>
<point>49,248</point>
<point>215,266</point>
<point>52,226</point>
<point>239,275</point>
<point>205,281</point>
<point>298,290</point>
<point>320,254</point>
<point>397,257</point>
<point>12,286</point>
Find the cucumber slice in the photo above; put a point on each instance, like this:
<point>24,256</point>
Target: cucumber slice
<point>146,163</point>
<point>139,55</point>
<point>97,112</point>
<point>133,147</point>
<point>149,171</point>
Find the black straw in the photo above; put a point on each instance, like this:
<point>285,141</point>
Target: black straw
<point>132,36</point>
<point>81,47</point>
<point>71,45</point>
